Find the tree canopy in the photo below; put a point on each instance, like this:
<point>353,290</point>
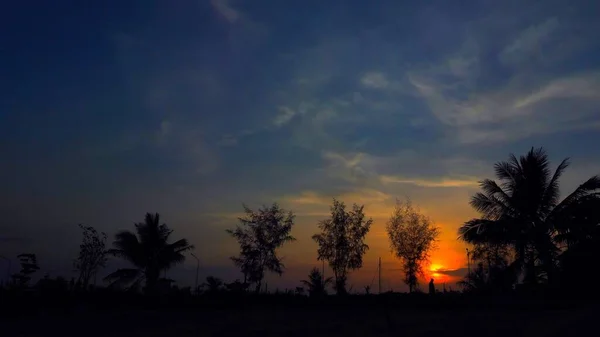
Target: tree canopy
<point>259,235</point>
<point>149,251</point>
<point>342,241</point>
<point>412,236</point>
<point>524,210</point>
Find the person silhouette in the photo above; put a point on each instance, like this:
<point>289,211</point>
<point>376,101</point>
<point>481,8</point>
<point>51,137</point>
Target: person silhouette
<point>431,287</point>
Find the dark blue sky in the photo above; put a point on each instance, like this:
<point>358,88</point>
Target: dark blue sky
<point>110,109</point>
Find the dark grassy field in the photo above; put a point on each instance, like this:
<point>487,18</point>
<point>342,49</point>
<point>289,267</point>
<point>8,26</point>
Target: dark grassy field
<point>306,321</point>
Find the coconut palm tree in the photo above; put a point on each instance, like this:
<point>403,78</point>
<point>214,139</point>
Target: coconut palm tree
<point>213,284</point>
<point>149,251</point>
<point>524,210</point>
<point>316,283</point>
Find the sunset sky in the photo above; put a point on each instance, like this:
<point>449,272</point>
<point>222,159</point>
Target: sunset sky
<point>111,109</point>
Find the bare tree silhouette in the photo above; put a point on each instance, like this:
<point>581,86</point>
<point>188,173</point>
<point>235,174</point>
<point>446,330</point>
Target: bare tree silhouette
<point>92,255</point>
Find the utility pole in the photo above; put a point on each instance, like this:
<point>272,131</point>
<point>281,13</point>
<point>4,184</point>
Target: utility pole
<point>197,269</point>
<point>379,269</point>
<point>469,261</point>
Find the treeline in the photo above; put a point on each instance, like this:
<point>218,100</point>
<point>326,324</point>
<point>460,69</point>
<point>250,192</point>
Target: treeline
<point>526,238</point>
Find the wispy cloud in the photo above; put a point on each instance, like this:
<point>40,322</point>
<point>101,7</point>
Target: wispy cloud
<point>431,182</point>
<point>374,80</point>
<point>585,86</point>
<point>515,109</point>
<point>530,42</point>
<point>311,203</point>
<point>285,116</point>
<point>224,8</point>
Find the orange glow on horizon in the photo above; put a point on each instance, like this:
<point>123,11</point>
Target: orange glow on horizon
<point>435,267</point>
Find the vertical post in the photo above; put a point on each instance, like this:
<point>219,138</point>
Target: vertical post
<point>468,261</point>
<point>323,272</point>
<point>197,269</point>
<point>379,270</point>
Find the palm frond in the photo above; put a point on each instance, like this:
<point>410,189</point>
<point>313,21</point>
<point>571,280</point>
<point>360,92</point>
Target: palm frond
<point>589,186</point>
<point>123,277</point>
<point>477,231</point>
<point>552,192</point>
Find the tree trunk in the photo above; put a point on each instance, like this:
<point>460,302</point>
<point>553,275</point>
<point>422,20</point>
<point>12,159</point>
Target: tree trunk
<point>258,286</point>
<point>152,277</point>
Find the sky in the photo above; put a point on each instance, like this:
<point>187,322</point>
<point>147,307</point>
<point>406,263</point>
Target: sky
<point>190,108</point>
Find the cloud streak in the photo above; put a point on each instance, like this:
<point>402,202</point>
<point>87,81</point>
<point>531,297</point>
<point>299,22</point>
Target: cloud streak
<point>442,182</point>
<point>224,8</point>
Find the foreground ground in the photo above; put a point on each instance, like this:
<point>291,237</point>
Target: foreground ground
<point>306,322</point>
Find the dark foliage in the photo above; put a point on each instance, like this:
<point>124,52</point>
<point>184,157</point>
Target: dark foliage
<point>317,283</point>
<point>259,235</point>
<point>342,241</point>
<point>29,265</point>
<point>149,251</point>
<point>524,211</point>
<point>92,255</point>
<point>412,236</point>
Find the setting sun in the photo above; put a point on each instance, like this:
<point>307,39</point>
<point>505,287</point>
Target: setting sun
<point>435,267</point>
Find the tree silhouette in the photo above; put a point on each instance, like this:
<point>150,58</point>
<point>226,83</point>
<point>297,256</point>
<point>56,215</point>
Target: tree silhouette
<point>476,280</point>
<point>92,255</point>
<point>341,241</point>
<point>495,261</point>
<point>524,211</point>
<point>212,284</point>
<point>259,236</point>
<point>237,286</point>
<point>316,283</point>
<point>29,265</point>
<point>412,236</point>
<point>150,252</point>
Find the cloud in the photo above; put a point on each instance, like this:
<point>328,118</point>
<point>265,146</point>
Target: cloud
<point>312,203</point>
<point>585,86</point>
<point>224,8</point>
<point>374,80</point>
<point>164,131</point>
<point>441,182</point>
<point>188,146</point>
<point>228,140</point>
<point>528,43</point>
<point>523,107</point>
<point>460,272</point>
<point>285,116</point>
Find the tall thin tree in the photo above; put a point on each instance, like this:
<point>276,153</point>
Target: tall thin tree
<point>412,236</point>
<point>92,255</point>
<point>342,241</point>
<point>260,234</point>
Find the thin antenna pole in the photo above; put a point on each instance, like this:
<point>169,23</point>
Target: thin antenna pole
<point>379,269</point>
<point>468,261</point>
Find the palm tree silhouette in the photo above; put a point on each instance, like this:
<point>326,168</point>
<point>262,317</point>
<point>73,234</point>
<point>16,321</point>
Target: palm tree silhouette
<point>316,283</point>
<point>213,284</point>
<point>149,251</point>
<point>524,211</point>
